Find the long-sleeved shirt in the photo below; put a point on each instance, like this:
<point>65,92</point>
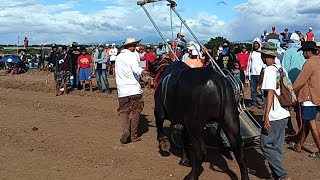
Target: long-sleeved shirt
<point>308,81</point>
<point>100,63</point>
<point>161,52</point>
<point>255,63</point>
<point>113,54</point>
<point>127,74</point>
<point>293,62</point>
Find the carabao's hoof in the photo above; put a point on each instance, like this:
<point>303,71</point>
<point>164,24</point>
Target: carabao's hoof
<point>251,171</point>
<point>164,153</point>
<point>185,163</point>
<point>165,145</point>
<point>190,177</point>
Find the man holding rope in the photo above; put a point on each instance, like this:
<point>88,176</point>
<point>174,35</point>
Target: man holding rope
<point>129,90</point>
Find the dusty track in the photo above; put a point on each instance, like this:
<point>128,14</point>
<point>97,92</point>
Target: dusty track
<point>78,138</point>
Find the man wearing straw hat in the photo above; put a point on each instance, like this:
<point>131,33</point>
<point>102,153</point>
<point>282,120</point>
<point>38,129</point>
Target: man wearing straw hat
<point>129,90</point>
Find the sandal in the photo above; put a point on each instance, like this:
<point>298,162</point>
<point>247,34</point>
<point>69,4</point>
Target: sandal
<point>314,155</point>
<point>293,147</point>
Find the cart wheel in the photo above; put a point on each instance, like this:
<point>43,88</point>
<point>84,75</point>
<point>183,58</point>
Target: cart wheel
<point>176,135</point>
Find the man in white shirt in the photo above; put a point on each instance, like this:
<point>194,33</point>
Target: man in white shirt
<point>275,116</point>
<point>129,90</point>
<point>113,52</point>
<point>255,65</point>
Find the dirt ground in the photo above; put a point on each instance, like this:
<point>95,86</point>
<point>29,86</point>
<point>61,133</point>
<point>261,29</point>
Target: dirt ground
<point>77,137</point>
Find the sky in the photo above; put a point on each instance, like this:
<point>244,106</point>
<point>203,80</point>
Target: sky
<point>107,21</point>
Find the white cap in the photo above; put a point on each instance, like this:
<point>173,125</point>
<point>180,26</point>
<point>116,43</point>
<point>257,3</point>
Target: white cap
<point>107,45</point>
<point>113,44</point>
<point>195,48</point>
<point>310,28</point>
<point>294,37</point>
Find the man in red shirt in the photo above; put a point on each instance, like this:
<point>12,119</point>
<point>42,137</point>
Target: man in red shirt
<point>243,57</point>
<point>149,56</point>
<point>85,68</point>
<point>310,35</point>
<point>177,52</point>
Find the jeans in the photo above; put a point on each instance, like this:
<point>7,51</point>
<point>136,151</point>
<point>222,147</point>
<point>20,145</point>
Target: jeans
<point>103,73</point>
<point>272,146</point>
<point>253,87</point>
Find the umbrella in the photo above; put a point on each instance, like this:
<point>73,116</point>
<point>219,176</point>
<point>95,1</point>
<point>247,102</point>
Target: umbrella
<point>11,59</point>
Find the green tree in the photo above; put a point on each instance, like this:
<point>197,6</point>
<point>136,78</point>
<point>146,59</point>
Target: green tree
<point>214,43</point>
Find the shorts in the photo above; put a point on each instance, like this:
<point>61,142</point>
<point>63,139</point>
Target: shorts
<point>62,76</point>
<point>85,74</point>
<point>112,62</point>
<point>309,112</point>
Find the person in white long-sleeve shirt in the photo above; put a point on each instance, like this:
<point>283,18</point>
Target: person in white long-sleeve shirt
<point>113,52</point>
<point>255,65</point>
<point>129,90</point>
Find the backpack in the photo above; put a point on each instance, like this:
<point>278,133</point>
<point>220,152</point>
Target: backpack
<point>287,97</point>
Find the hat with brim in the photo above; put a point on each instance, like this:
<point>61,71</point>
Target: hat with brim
<point>270,49</point>
<point>54,46</point>
<point>308,46</point>
<point>130,42</point>
<point>83,49</point>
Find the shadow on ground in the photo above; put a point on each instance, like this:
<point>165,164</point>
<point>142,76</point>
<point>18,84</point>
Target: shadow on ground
<point>144,125</point>
<point>217,159</point>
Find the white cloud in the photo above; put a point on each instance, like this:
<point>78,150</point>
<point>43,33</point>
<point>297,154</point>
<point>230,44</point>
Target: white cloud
<point>254,16</point>
<point>60,23</point>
